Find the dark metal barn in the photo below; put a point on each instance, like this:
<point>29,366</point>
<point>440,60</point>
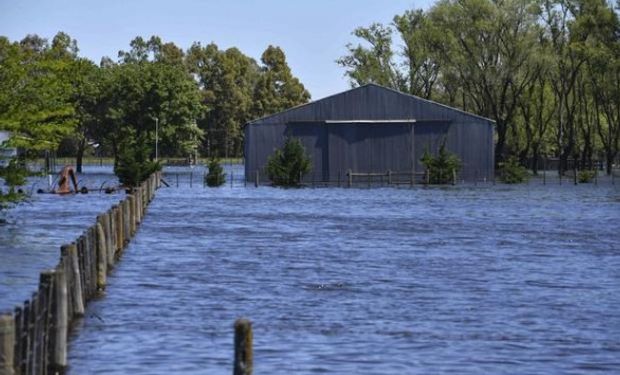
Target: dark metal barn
<point>372,129</point>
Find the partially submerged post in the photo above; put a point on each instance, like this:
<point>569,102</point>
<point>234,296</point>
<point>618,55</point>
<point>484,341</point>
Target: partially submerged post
<point>70,253</point>
<point>7,343</point>
<point>102,258</point>
<point>243,348</point>
<point>60,322</point>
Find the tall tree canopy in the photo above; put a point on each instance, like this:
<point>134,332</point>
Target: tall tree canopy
<point>544,70</point>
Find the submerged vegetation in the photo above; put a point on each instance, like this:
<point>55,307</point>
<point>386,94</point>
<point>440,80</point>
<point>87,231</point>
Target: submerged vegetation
<point>216,176</point>
<point>133,165</point>
<point>511,172</point>
<point>441,169</point>
<point>288,165</point>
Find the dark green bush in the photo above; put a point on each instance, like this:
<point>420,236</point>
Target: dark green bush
<point>288,165</point>
<point>14,175</point>
<point>511,172</point>
<point>133,164</point>
<point>440,169</point>
<point>586,176</point>
<point>216,176</point>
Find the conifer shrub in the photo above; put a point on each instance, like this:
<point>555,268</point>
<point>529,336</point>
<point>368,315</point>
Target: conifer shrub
<point>440,169</point>
<point>14,175</point>
<point>511,172</point>
<point>216,176</point>
<point>586,176</point>
<point>287,166</point>
<point>133,164</point>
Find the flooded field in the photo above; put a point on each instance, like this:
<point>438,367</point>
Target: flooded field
<point>31,237</point>
<point>468,280</point>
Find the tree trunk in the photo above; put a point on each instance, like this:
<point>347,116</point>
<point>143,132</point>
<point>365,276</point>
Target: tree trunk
<point>609,161</point>
<point>535,157</point>
<point>501,142</point>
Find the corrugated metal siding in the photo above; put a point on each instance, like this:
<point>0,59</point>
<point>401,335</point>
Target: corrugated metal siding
<point>375,147</point>
<point>369,148</point>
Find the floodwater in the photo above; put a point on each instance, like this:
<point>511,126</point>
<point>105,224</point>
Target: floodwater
<point>466,280</point>
<point>31,233</point>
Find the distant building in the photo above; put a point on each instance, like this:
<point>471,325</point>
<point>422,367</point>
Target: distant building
<point>372,129</point>
<point>6,153</point>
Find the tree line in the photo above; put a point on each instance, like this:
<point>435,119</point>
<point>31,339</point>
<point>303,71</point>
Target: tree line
<point>196,100</point>
<point>546,71</point>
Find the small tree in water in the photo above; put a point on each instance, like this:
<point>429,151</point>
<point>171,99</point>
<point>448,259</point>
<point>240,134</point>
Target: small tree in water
<point>440,169</point>
<point>216,176</point>
<point>14,175</point>
<point>287,166</point>
<point>133,164</point>
<point>511,172</point>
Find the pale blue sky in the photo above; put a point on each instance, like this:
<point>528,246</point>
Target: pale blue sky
<point>313,34</point>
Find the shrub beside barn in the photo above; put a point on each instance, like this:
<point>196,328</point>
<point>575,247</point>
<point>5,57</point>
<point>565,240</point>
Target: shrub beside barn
<point>372,129</point>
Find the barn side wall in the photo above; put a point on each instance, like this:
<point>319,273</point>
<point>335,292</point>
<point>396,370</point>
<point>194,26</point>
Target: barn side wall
<point>373,148</point>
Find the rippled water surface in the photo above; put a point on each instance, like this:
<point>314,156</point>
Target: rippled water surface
<point>467,280</point>
<point>31,233</point>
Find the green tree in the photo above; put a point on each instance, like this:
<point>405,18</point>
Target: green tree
<point>216,176</point>
<point>288,165</point>
<point>490,46</point>
<point>372,64</point>
<point>141,97</point>
<point>277,89</point>
<point>227,79</point>
<point>35,95</point>
<point>134,164</point>
<point>441,169</point>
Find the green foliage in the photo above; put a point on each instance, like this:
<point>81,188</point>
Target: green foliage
<point>10,199</point>
<point>440,169</point>
<point>14,174</point>
<point>547,72</point>
<point>35,93</point>
<point>133,164</point>
<point>216,176</point>
<point>276,88</point>
<point>586,176</point>
<point>287,166</point>
<point>511,172</point>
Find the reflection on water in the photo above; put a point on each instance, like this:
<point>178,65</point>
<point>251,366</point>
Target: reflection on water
<point>384,281</point>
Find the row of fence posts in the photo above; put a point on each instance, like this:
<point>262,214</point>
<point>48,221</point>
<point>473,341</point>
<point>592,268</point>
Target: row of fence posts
<point>33,337</point>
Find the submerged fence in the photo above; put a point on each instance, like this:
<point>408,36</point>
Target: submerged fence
<point>33,338</point>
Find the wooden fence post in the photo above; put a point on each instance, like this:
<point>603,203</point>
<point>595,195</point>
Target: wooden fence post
<point>7,343</point>
<point>126,221</point>
<point>58,358</point>
<point>109,234</point>
<point>47,288</point>
<point>75,288</point>
<point>243,348</point>
<point>120,231</point>
<point>102,258</point>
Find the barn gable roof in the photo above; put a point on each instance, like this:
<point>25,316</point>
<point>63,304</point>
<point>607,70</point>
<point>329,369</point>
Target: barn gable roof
<point>371,102</point>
